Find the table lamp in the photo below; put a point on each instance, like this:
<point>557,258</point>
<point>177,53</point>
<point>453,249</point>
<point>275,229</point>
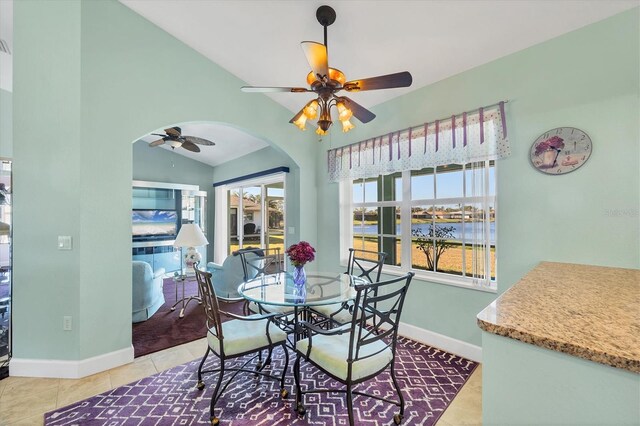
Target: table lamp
<point>190,236</point>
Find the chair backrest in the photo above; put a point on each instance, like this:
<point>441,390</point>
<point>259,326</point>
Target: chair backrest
<point>142,271</point>
<point>257,261</point>
<point>379,304</point>
<point>209,302</point>
<point>366,264</point>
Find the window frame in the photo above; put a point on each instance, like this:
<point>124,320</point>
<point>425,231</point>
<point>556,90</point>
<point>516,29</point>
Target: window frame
<point>406,203</point>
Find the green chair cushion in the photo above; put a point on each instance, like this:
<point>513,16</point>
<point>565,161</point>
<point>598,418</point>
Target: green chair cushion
<point>330,353</point>
<point>244,336</point>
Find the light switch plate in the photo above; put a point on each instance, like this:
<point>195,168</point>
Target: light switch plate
<point>292,230</point>
<point>64,242</point>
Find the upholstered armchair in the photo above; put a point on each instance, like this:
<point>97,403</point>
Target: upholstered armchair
<point>227,277</point>
<point>147,291</point>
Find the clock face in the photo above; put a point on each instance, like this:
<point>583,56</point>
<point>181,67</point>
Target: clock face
<point>560,150</point>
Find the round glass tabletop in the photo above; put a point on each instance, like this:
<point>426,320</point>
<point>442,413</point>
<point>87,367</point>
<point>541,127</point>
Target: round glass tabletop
<point>321,288</point>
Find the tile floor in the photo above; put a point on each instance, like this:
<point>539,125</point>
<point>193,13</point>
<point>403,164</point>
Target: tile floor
<point>24,400</point>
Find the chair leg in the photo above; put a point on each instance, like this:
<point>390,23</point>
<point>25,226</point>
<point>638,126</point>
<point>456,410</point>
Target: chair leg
<point>259,364</point>
<point>215,396</point>
<point>267,360</point>
<point>296,375</point>
<point>350,404</point>
<point>398,417</point>
<point>283,392</point>
<point>200,384</point>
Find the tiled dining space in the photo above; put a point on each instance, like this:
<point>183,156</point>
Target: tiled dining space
<point>23,400</point>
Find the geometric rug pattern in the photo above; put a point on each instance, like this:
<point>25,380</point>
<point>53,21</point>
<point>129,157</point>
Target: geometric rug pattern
<point>429,378</point>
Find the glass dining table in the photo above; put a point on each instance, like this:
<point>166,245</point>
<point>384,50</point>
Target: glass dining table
<point>279,290</point>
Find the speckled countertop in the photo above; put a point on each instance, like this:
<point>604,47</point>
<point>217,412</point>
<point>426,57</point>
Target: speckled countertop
<point>591,312</point>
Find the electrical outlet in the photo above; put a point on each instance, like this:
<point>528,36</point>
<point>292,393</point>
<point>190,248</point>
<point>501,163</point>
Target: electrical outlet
<point>66,323</point>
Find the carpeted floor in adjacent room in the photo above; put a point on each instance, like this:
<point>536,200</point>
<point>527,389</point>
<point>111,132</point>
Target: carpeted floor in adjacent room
<point>166,329</point>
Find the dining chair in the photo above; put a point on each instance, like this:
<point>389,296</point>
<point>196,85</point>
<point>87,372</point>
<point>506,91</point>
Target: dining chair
<point>236,338</point>
<point>365,264</point>
<point>357,353</point>
<point>256,262</point>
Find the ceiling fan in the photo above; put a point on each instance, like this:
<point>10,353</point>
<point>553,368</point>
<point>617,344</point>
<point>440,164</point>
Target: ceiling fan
<point>326,82</point>
<point>174,139</point>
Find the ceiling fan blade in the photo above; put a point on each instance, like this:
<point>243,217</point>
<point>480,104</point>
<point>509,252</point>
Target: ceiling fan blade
<point>255,89</point>
<point>197,140</point>
<point>190,146</point>
<point>389,81</point>
<point>316,54</point>
<point>359,112</point>
<point>157,143</point>
<point>173,131</point>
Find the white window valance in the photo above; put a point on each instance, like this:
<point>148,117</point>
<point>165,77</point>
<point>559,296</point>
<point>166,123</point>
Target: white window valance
<point>463,138</point>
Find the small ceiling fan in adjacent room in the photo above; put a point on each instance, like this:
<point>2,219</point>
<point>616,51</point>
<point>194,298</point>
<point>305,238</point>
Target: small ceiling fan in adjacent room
<point>174,139</point>
<point>326,82</point>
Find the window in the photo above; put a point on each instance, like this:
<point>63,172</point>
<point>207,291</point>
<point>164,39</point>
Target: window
<point>438,222</point>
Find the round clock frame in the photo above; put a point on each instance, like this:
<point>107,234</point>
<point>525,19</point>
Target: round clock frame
<point>561,150</point>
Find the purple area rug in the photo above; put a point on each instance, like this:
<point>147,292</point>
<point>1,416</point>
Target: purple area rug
<point>430,379</point>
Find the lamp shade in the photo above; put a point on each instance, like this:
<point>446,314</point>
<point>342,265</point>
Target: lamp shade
<point>190,235</point>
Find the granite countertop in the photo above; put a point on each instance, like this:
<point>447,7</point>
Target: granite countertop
<point>592,312</point>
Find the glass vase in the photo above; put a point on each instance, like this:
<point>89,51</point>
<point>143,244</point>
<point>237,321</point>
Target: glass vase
<point>299,276</point>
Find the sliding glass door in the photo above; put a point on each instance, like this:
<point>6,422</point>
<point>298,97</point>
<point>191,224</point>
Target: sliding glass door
<point>275,215</point>
<point>256,215</point>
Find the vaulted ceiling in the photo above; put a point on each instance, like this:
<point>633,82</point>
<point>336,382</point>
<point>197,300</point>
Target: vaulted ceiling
<point>259,41</point>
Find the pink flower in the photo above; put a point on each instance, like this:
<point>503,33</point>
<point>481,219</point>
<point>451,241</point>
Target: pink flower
<point>301,253</point>
<point>554,142</point>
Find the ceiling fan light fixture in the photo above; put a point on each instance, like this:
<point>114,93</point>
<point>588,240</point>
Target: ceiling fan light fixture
<point>311,109</point>
<point>325,82</point>
<point>300,122</point>
<point>347,125</point>
<point>174,143</point>
<point>324,125</point>
<point>336,76</point>
<point>344,113</point>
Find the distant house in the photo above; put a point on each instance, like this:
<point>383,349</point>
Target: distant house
<point>251,213</point>
<point>459,214</point>
<point>421,215</point>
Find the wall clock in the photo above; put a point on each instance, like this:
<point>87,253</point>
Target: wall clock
<point>561,150</point>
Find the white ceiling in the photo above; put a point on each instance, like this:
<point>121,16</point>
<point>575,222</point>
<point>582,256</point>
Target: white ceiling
<point>230,143</point>
<point>259,42</point>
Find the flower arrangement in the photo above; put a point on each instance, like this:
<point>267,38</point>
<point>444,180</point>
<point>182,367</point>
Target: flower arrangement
<point>301,253</point>
<point>555,142</point>
<point>191,257</point>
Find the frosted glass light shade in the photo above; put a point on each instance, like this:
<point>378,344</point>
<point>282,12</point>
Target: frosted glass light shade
<point>190,235</point>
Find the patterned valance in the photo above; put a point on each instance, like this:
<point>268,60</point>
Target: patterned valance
<point>460,139</point>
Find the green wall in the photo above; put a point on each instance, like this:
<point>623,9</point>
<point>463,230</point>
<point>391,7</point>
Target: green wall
<point>6,124</point>
<point>586,79</point>
<point>90,78</point>
<point>523,384</point>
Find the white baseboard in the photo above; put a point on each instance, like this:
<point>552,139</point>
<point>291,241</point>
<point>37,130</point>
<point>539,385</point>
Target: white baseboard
<point>63,369</point>
<point>441,341</point>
